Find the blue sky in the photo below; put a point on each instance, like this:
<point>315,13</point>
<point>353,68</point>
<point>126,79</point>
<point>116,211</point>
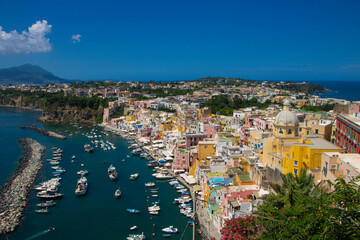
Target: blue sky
<point>184,40</point>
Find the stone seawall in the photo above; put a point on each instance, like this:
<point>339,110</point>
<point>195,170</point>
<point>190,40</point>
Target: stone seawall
<point>44,132</point>
<point>14,193</point>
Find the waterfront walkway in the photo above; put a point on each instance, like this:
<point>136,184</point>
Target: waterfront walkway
<point>207,227</point>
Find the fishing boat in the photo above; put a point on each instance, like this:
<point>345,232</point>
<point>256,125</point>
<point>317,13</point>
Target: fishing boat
<point>46,204</point>
<point>133,210</point>
<point>134,176</point>
<point>43,210</point>
<point>170,229</point>
<point>133,228</point>
<point>117,193</point>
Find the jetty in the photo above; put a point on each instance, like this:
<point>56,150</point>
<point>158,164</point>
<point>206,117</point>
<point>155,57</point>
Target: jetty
<point>44,132</point>
<point>14,193</point>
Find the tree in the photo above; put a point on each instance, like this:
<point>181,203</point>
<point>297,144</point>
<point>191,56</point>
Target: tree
<point>302,210</point>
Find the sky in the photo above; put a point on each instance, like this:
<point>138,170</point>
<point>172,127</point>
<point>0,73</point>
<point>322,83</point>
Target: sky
<point>184,40</point>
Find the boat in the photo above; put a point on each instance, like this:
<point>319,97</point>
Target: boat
<point>154,195</point>
<point>170,229</point>
<point>83,172</point>
<point>133,210</point>
<point>49,195</point>
<point>46,204</point>
<point>162,176</point>
<point>117,193</point>
<point>88,148</point>
<point>43,210</point>
<point>149,184</point>
<point>133,228</point>
<point>54,163</point>
<point>136,236</point>
<point>81,187</point>
<point>134,176</point>
<point>51,229</point>
<point>166,235</point>
<point>113,175</point>
<point>128,156</point>
<point>154,212</point>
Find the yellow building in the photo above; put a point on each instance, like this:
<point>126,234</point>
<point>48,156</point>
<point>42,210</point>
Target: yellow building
<point>206,149</point>
<point>288,152</point>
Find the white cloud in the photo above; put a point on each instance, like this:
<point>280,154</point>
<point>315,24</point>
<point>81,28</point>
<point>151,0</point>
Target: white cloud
<point>31,41</point>
<point>76,38</point>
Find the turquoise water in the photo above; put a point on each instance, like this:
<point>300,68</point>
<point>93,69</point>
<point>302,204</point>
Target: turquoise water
<point>98,215</point>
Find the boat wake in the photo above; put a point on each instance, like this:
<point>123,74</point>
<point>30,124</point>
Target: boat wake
<point>39,234</point>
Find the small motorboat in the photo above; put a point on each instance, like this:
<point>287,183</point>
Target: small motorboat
<point>51,229</point>
<point>134,176</point>
<point>149,184</point>
<point>136,236</point>
<point>133,228</point>
<point>170,229</point>
<point>117,193</point>
<point>128,156</point>
<point>133,210</point>
<point>166,235</point>
<point>46,204</point>
<point>154,212</point>
<point>44,210</point>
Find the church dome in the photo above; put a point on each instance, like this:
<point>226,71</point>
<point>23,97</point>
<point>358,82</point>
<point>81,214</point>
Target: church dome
<point>286,117</point>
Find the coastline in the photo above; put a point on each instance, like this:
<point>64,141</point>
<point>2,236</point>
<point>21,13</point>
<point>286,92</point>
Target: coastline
<point>207,229</point>
<point>14,193</point>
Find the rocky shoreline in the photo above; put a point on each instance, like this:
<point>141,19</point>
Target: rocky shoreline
<point>14,193</point>
<point>44,132</point>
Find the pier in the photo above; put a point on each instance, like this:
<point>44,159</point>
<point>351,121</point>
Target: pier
<point>14,193</point>
<point>44,132</point>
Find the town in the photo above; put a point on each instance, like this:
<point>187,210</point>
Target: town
<point>229,140</point>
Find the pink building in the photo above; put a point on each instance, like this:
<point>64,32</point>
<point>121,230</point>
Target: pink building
<point>211,129</point>
<point>181,160</point>
<point>192,139</point>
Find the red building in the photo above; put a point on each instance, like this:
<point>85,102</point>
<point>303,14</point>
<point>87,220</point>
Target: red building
<point>347,133</point>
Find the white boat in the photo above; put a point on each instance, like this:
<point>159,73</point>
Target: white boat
<point>134,176</point>
<point>133,228</point>
<point>117,193</point>
<point>162,176</point>
<point>170,229</point>
<point>81,187</point>
<point>136,237</point>
<point>149,184</point>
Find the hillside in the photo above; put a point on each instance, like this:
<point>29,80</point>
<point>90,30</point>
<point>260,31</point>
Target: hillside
<point>28,74</point>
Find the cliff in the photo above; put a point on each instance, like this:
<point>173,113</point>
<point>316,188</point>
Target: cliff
<point>71,114</point>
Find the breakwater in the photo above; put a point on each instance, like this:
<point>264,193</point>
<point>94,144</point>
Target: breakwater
<point>13,194</point>
<point>44,132</point>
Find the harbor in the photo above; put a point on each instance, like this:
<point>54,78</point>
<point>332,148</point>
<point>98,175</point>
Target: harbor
<point>98,212</point>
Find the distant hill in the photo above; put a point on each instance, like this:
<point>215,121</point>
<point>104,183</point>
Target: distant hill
<point>28,74</point>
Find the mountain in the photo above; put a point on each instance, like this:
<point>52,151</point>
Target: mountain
<point>28,74</point>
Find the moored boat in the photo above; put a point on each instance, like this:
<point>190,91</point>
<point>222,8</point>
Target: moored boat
<point>134,176</point>
<point>117,193</point>
<point>133,210</point>
<point>44,210</point>
<point>170,229</point>
<point>46,204</point>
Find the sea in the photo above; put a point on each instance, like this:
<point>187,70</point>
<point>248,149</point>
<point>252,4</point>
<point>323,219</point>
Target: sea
<point>97,215</point>
<point>348,90</point>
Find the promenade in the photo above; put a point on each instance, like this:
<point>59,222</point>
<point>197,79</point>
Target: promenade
<point>207,228</point>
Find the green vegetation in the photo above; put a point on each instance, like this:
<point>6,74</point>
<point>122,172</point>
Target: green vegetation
<point>301,87</point>
<point>302,210</point>
<point>223,105</point>
<point>162,92</point>
<point>321,108</point>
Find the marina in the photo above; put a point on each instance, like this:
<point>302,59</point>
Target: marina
<point>111,210</point>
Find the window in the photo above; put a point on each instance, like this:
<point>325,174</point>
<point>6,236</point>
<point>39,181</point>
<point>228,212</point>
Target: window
<point>289,131</point>
<point>295,171</point>
<point>307,156</point>
<point>307,132</point>
<point>281,131</point>
<point>295,163</point>
<point>205,146</point>
<point>300,129</point>
<point>316,131</point>
<point>293,155</point>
